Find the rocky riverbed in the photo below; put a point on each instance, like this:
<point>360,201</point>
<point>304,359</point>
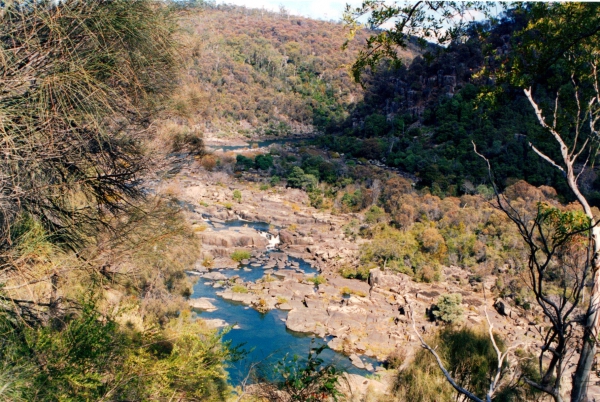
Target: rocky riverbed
<point>354,317</point>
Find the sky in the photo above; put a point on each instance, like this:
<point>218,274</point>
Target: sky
<point>318,9</point>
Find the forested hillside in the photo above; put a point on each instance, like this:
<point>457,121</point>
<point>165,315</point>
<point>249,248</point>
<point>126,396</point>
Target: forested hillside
<point>256,72</point>
<point>264,73</point>
<point>423,118</point>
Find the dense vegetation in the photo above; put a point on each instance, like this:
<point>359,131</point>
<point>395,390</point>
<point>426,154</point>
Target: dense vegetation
<point>93,289</point>
<point>256,72</point>
<point>424,117</point>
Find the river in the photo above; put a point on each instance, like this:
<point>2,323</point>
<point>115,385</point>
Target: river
<point>264,336</point>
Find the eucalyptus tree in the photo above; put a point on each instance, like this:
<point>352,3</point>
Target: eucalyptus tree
<point>556,53</point>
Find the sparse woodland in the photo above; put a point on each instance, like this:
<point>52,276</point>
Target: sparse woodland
<point>100,100</point>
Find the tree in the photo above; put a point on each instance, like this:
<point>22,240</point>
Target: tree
<point>411,21</point>
<point>559,246</point>
<point>296,379</point>
<point>448,308</point>
<point>564,39</point>
<point>556,52</point>
<point>79,82</point>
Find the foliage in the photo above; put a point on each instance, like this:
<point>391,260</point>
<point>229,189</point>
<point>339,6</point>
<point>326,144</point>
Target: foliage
<point>240,255</point>
<point>273,73</point>
<point>237,195</point>
<point>57,100</point>
<point>263,162</point>
<point>239,289</point>
<point>375,215</point>
<point>467,354</point>
<point>244,162</point>
<point>448,308</point>
<point>90,357</point>
<point>296,379</point>
<point>361,272</point>
<point>390,246</point>
<point>346,291</point>
<point>409,20</point>
<point>317,280</point>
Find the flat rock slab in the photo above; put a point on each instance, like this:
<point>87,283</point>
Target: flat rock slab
<point>214,276</point>
<point>356,361</point>
<point>215,323</point>
<point>292,304</point>
<point>246,298</point>
<point>202,303</point>
<point>307,320</point>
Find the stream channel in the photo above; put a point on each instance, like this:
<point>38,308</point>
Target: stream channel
<point>264,336</point>
<point>260,144</point>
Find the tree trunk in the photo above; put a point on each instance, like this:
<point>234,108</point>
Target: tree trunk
<point>581,377</point>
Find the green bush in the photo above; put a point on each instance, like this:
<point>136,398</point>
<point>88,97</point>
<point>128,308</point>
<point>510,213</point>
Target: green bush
<point>301,380</point>
<point>375,215</point>
<point>470,358</point>
<point>239,255</point>
<point>275,180</point>
<point>448,308</point>
<point>361,273</point>
<point>243,162</point>
<point>237,195</point>
<point>263,162</point>
<point>239,289</point>
<point>294,178</point>
<point>317,280</point>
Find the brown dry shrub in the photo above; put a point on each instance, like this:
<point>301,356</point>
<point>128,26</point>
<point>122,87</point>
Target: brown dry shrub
<point>209,162</point>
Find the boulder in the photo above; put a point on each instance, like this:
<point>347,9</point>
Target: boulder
<point>202,303</point>
<point>214,276</point>
<point>246,298</point>
<point>306,320</point>
<point>356,361</point>
<point>286,237</point>
<point>215,323</point>
<point>502,307</point>
<point>378,278</point>
<point>279,256</point>
<point>243,237</point>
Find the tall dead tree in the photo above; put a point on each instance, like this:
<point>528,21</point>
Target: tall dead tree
<point>578,147</point>
<point>560,247</point>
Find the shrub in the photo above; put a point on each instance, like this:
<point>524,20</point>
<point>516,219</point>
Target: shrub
<point>374,215</point>
<point>239,289</point>
<point>209,162</point>
<point>468,355</point>
<point>302,380</point>
<point>346,291</point>
<point>237,195</point>
<point>395,359</point>
<point>317,280</point>
<point>448,308</point>
<point>243,162</point>
<point>239,255</point>
<point>294,178</point>
<point>263,162</point>
<point>361,272</point>
<point>275,180</point>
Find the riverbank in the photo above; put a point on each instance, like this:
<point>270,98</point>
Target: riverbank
<point>363,321</point>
